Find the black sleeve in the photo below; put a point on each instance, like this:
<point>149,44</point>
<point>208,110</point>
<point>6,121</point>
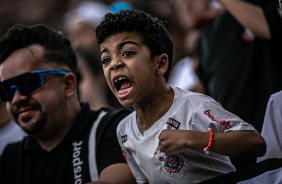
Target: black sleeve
<point>273,16</point>
<point>108,149</point>
<point>4,168</point>
<point>9,165</point>
<point>1,169</point>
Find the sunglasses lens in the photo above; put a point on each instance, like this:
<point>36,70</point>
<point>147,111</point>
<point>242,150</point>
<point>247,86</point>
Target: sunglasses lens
<point>30,82</point>
<point>24,84</point>
<point>3,93</point>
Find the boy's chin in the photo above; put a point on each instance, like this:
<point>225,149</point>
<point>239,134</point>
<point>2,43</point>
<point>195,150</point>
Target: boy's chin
<point>125,103</point>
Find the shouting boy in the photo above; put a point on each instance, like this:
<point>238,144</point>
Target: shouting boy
<point>174,135</point>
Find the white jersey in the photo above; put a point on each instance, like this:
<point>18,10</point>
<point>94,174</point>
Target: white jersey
<point>272,126</point>
<point>189,111</point>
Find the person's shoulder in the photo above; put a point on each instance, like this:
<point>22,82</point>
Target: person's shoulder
<point>193,100</point>
<point>192,95</point>
<point>119,113</point>
<point>277,95</point>
<point>115,116</point>
<point>16,148</point>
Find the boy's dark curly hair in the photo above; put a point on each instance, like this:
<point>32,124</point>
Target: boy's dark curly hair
<point>151,29</point>
<point>57,48</point>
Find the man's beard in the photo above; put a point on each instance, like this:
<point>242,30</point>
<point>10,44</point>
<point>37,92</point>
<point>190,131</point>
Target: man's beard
<point>37,126</point>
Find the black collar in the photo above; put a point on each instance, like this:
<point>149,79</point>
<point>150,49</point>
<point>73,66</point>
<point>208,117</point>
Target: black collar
<point>79,128</point>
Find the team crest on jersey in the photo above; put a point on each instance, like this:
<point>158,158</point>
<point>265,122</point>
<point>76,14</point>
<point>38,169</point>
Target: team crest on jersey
<point>170,164</point>
<point>173,122</point>
<point>248,35</point>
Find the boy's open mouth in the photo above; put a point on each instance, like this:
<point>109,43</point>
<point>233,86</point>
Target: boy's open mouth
<point>122,85</point>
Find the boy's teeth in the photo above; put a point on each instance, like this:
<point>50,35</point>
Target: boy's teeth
<point>122,91</point>
<point>119,79</point>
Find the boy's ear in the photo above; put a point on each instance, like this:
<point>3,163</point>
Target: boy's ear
<point>69,84</point>
<point>161,64</point>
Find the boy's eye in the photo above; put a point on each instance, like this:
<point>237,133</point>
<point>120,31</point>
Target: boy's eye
<point>128,53</point>
<point>106,60</point>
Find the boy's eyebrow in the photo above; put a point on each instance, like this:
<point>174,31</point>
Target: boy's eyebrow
<point>104,50</point>
<point>126,42</point>
<point>120,46</point>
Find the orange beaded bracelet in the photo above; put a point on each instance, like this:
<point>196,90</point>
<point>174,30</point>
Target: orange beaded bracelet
<point>206,149</point>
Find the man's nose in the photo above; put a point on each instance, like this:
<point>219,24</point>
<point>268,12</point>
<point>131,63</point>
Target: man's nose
<point>17,97</point>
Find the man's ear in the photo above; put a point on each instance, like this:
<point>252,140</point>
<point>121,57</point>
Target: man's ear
<point>161,64</point>
<point>70,84</point>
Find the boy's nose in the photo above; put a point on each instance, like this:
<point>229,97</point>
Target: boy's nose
<point>117,65</point>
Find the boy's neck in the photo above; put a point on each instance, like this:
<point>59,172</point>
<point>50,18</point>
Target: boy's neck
<point>149,113</point>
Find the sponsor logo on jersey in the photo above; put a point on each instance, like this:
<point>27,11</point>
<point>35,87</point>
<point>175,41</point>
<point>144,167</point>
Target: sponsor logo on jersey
<point>77,162</point>
<point>222,122</point>
<point>170,164</point>
<point>123,138</point>
<point>172,122</point>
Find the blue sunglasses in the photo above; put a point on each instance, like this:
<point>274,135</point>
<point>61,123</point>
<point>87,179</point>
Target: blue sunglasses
<point>25,83</point>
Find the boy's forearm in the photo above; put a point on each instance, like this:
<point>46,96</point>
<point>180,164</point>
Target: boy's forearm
<point>233,143</point>
<point>249,15</point>
<point>239,144</point>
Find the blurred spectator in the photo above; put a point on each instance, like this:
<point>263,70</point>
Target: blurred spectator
<point>80,24</point>
<point>194,16</point>
<point>9,131</point>
<point>239,62</point>
<point>166,11</point>
<point>190,10</point>
<point>92,85</point>
<point>183,73</point>
<point>280,4</point>
<point>272,126</point>
<point>31,12</point>
<point>118,5</point>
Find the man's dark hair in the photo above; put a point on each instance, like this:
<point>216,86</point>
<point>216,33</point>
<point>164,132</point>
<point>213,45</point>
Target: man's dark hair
<point>151,29</point>
<point>57,48</point>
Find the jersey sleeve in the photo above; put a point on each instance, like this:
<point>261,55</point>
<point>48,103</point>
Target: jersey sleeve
<point>108,149</point>
<point>271,129</point>
<point>138,174</point>
<point>211,114</point>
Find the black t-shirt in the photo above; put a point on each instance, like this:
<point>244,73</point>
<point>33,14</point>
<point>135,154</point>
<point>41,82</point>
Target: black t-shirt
<point>239,70</point>
<point>27,163</point>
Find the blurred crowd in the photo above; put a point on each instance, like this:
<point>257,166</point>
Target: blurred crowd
<point>78,19</point>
